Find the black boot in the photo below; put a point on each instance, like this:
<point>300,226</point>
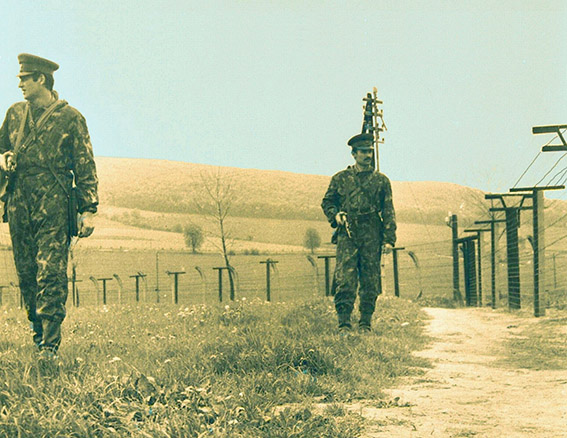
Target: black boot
<point>37,329</point>
<point>344,321</point>
<point>51,335</point>
<point>365,322</point>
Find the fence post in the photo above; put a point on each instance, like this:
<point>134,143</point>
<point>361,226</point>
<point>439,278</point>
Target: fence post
<point>269,262</point>
<point>220,269</point>
<point>396,275</point>
<point>74,290</point>
<point>104,280</point>
<point>175,284</point>
<point>327,273</point>
<point>137,277</point>
<point>97,288</point>
<point>120,287</point>
<point>203,280</point>
<point>315,272</point>
<point>16,288</point>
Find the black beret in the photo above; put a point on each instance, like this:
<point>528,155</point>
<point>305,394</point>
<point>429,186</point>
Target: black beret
<point>30,64</point>
<point>362,141</point>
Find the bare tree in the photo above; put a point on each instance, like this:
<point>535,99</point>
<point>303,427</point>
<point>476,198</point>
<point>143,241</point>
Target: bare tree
<point>218,198</point>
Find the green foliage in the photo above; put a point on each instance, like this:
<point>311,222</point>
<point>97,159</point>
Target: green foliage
<point>312,239</point>
<point>242,370</point>
<point>194,236</point>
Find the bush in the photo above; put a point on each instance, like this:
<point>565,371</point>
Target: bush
<point>193,236</point>
<point>312,239</point>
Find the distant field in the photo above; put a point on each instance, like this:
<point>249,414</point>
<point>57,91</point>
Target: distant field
<point>256,231</point>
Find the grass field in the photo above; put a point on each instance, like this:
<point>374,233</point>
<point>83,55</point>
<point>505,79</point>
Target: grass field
<point>248,369</point>
<point>541,345</point>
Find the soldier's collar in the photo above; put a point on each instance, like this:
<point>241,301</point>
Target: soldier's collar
<point>358,169</point>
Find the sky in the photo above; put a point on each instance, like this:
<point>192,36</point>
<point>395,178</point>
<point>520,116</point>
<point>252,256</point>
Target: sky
<point>278,85</point>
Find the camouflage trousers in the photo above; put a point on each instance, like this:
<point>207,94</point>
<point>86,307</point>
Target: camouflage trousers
<point>37,215</point>
<point>357,269</point>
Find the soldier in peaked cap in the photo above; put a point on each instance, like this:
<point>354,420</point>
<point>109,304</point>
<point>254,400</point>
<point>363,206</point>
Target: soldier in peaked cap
<point>359,203</point>
<point>46,150</point>
<point>30,64</point>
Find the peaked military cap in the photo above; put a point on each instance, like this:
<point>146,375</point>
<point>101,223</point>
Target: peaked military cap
<point>30,64</point>
<point>362,141</point>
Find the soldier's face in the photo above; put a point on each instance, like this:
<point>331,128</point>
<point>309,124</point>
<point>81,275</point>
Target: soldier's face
<point>30,88</point>
<point>363,157</point>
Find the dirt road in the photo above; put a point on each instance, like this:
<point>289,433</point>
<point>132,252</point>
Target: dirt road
<point>466,393</point>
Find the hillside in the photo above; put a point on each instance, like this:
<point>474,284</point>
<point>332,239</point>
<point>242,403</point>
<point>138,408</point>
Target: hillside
<point>172,187</point>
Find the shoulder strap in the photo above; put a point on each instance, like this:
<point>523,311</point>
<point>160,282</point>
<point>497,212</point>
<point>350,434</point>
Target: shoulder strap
<point>35,127</point>
<point>20,136</point>
<point>33,134</point>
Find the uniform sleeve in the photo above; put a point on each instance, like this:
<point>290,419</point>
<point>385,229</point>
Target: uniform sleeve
<point>330,202</point>
<point>5,144</point>
<point>84,167</point>
<point>388,214</point>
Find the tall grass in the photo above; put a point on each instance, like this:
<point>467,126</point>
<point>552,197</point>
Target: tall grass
<point>248,369</point>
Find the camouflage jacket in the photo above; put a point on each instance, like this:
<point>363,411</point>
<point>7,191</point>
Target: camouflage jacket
<point>361,194</point>
<point>62,143</point>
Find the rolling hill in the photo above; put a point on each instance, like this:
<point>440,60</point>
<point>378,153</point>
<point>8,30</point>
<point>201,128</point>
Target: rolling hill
<point>268,207</point>
<point>173,187</point>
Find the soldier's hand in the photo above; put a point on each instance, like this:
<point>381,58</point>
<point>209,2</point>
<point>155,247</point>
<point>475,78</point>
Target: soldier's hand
<point>387,248</point>
<point>86,224</point>
<point>340,218</point>
<point>7,163</point>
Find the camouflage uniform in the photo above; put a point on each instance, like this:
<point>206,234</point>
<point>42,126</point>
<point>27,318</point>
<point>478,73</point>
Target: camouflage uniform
<point>366,197</point>
<point>37,207</point>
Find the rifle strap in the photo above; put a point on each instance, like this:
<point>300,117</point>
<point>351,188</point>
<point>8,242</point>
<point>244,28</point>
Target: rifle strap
<point>35,127</point>
<point>21,129</point>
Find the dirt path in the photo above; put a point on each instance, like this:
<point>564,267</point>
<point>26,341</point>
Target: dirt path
<point>466,394</point>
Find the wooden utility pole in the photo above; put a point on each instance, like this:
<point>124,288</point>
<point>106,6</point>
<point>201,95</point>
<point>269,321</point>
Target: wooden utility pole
<point>538,234</point>
<point>538,216</point>
<point>373,122</point>
<point>492,223</point>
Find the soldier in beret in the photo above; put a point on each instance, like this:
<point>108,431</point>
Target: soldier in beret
<point>46,151</point>
<point>359,203</point>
